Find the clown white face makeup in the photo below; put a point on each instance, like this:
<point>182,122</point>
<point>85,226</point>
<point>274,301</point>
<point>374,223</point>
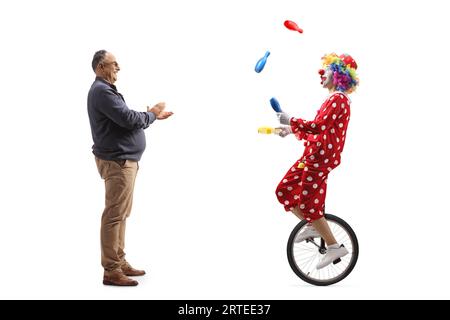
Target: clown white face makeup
<point>327,79</point>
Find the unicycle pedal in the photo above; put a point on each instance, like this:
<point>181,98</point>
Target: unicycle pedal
<point>338,259</point>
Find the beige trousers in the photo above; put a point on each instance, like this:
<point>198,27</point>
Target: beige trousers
<point>119,179</point>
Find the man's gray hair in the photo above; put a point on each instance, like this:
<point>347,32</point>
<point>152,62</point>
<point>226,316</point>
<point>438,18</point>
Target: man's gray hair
<point>98,57</point>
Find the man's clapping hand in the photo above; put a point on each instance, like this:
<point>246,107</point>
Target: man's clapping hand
<point>158,110</point>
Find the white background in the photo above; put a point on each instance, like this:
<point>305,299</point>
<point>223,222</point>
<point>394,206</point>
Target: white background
<point>206,223</point>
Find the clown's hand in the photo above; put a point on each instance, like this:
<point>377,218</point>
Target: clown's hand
<point>283,131</point>
<point>284,118</point>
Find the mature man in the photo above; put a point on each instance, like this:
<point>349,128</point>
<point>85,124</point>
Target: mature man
<point>119,141</point>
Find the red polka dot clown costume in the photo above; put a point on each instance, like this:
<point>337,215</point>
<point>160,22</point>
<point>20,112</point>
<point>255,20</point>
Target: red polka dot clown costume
<point>305,184</point>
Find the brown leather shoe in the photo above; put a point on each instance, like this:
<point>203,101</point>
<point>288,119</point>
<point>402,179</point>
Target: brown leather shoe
<point>117,278</point>
<point>128,270</point>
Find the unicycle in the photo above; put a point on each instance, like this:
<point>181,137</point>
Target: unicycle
<point>304,256</point>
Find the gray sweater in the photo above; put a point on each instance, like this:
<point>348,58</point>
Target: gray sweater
<point>117,131</point>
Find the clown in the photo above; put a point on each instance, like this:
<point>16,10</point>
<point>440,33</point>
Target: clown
<point>302,190</point>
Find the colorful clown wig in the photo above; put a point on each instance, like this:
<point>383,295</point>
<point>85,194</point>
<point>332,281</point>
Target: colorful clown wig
<point>344,71</point>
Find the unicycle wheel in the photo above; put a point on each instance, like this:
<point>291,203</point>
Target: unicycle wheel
<point>303,257</point>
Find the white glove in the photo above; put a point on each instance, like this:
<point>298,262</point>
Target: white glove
<point>284,118</point>
<point>283,131</point>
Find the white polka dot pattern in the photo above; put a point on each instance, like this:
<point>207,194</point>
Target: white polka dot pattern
<point>304,188</point>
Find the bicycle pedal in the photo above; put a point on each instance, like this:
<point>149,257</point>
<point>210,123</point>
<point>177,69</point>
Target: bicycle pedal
<point>337,261</point>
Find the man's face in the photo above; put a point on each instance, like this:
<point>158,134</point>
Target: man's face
<point>109,68</point>
<point>327,79</point>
